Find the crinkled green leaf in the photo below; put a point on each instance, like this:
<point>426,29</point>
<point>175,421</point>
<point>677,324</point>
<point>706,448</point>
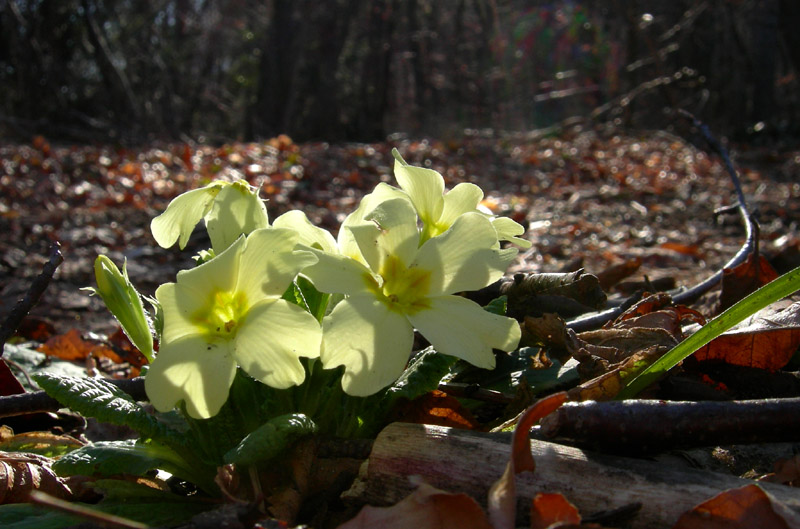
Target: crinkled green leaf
<point>95,397</point>
<point>271,439</point>
<point>422,375</point>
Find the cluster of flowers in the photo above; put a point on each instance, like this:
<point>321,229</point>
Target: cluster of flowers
<point>397,264</point>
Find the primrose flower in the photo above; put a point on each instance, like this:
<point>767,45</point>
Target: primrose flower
<point>229,311</point>
<point>230,209</point>
<point>404,286</point>
<point>438,211</point>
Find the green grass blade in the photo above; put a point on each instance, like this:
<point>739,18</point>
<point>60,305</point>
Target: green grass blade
<point>764,296</point>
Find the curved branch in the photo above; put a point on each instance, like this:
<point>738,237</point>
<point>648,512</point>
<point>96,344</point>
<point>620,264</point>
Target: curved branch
<point>687,296</point>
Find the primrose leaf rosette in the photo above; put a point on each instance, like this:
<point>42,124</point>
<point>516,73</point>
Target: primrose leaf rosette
<point>439,210</point>
<point>404,286</point>
<point>229,312</point>
<point>230,209</point>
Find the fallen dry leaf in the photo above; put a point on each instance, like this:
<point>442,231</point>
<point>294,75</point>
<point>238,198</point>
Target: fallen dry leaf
<point>21,473</point>
<point>766,340</point>
<point>747,507</point>
<point>502,496</point>
<point>553,510</point>
<point>436,407</point>
<point>744,279</point>
<point>425,508</point>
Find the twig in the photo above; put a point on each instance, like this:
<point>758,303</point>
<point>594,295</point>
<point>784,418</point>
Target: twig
<point>37,288</point>
<point>38,401</point>
<point>637,426</point>
<point>687,296</point>
<point>83,511</point>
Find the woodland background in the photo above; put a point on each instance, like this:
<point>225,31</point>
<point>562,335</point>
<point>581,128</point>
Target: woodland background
<point>131,71</point>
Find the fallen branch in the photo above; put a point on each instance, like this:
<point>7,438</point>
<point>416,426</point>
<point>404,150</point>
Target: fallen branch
<point>37,288</point>
<point>693,293</point>
<point>39,401</point>
<point>638,426</point>
<point>469,462</point>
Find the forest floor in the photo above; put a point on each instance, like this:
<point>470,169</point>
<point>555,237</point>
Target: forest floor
<point>588,199</point>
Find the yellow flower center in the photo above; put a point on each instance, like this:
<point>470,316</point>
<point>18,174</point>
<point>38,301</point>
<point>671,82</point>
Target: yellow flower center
<point>223,314</point>
<point>406,289</point>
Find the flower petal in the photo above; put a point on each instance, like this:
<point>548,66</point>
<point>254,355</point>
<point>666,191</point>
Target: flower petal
<point>463,198</point>
<point>237,210</point>
<point>310,235</point>
<point>193,370</point>
<point>381,193</point>
<point>370,340</point>
<point>177,222</point>
<point>270,263</point>
<point>459,327</point>
<point>395,235</point>
<point>424,187</point>
<point>195,290</point>
<point>271,340</point>
<point>340,274</point>
<point>507,230</point>
<point>465,257</point>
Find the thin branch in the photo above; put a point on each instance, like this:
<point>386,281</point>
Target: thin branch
<point>637,426</point>
<point>84,511</point>
<point>687,296</point>
<point>37,288</point>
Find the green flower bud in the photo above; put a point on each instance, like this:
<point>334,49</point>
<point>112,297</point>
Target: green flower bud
<point>124,302</point>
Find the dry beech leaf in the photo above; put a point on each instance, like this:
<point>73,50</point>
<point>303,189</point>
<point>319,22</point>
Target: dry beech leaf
<point>747,507</point>
<point>503,494</point>
<point>787,472</point>
<point>425,508</point>
<point>553,510</point>
<point>744,279</point>
<point>37,442</point>
<point>766,340</point>
<point>609,384</point>
<point>68,346</point>
<point>21,473</point>
<point>438,408</point>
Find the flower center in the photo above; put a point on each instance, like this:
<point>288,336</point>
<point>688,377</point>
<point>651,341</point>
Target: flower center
<point>405,288</point>
<point>222,316</point>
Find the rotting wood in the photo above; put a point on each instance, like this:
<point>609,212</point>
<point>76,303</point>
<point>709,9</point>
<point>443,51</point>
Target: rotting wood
<point>469,462</point>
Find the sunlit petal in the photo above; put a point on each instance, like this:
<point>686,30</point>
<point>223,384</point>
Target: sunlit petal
<point>182,215</point>
<point>463,198</point>
<point>193,370</point>
<point>396,233</point>
<point>346,241</point>
<point>507,230</point>
<point>269,263</point>
<point>464,257</point>
<point>424,187</point>
<point>370,340</point>
<point>236,211</point>
<point>339,274</point>
<point>459,327</point>
<point>271,341</point>
<point>310,235</point>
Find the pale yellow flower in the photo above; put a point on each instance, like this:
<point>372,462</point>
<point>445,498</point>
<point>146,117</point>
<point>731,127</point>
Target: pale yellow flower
<point>400,286</point>
<point>438,210</point>
<point>229,312</point>
<point>230,209</point>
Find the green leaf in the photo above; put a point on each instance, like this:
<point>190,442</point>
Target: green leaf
<point>316,301</point>
<point>271,439</point>
<point>781,287</point>
<point>422,375</point>
<point>497,306</point>
<point>95,397</point>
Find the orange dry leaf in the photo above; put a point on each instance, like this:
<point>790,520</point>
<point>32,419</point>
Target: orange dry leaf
<point>766,340</point>
<point>21,473</point>
<point>744,279</point>
<point>503,494</point>
<point>68,346</point>
<point>747,507</point>
<point>436,407</point>
<point>553,510</point>
<point>425,508</point>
